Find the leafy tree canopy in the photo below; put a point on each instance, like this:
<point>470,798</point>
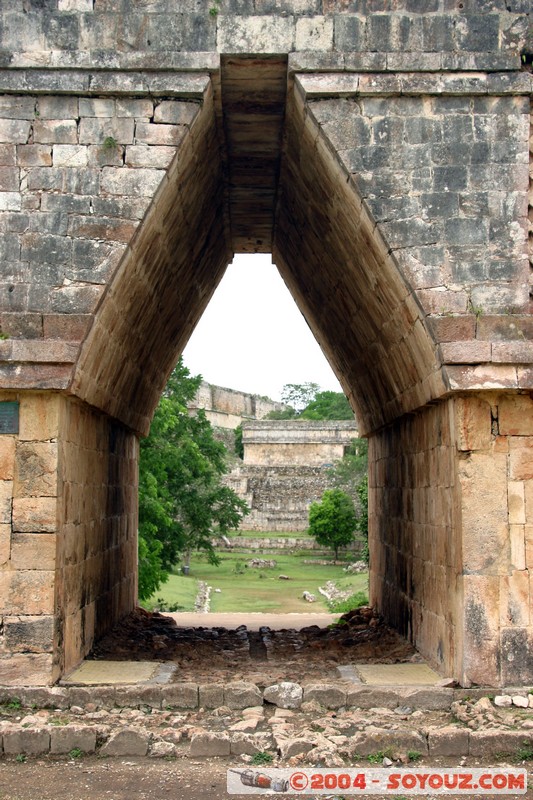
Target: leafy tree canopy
<point>332,521</point>
<point>350,474</point>
<point>328,405</point>
<point>299,395</point>
<point>182,502</point>
<point>306,401</point>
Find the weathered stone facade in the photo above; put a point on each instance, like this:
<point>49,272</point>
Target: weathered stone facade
<point>285,469</point>
<point>228,408</point>
<point>380,150</point>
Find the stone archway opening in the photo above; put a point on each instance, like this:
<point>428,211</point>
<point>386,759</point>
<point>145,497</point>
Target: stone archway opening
<point>256,174</point>
<point>257,165</point>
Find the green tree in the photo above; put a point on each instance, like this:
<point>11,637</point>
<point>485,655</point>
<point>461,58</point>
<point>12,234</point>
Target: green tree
<point>328,405</point>
<point>299,395</point>
<point>239,446</point>
<point>332,521</point>
<point>350,474</point>
<point>182,502</point>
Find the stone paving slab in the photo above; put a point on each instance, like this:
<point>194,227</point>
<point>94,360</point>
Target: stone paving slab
<point>101,673</point>
<point>398,674</point>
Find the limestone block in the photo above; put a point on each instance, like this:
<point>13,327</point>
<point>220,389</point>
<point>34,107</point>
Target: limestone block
<point>284,694</point>
<point>175,113</point>
<point>148,133</point>
<point>138,696</point>
<point>363,697</point>
<point>97,107</point>
<point>34,155</point>
<point>5,544</point>
<point>493,742</point>
<point>32,634</point>
<point>209,743</point>
<point>327,695</point>
<point>481,627</point>
<point>57,107</point>
<point>431,699</point>
<point>254,34</point>
<point>17,107</point>
<point>10,201</point>
<point>33,741</point>
<point>71,737</point>
<point>514,598</point>
<point>127,742</point>
<point>143,155</point>
<point>14,131</point>
<point>6,495</point>
<point>163,750</point>
<point>473,420</point>
<point>94,130</point>
<point>128,107</point>
<point>516,500</point>
<point>180,695</point>
<point>8,155</point>
<point>34,514</point>
<point>517,536</point>
<point>448,741</point>
<point>244,744</point>
<point>211,695</point>
<point>483,481</point>
<point>503,701</point>
<point>36,469</point>
<point>39,417</point>
<point>242,695</point>
<point>528,532</point>
<point>55,132</point>
<point>374,739</point>
<point>314,33</point>
<point>520,701</point>
<point>294,747</point>
<point>124,181</point>
<point>69,155</point>
<point>515,652</point>
<point>36,669</point>
<point>28,592</point>
<point>521,458</point>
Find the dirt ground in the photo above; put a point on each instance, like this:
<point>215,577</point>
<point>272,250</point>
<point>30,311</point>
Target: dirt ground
<point>92,778</point>
<point>212,654</point>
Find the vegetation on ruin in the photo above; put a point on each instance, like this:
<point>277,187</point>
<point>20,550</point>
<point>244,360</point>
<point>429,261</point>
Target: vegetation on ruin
<point>306,401</point>
<point>182,502</point>
<point>332,520</point>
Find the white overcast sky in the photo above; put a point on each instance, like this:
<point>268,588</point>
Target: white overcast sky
<point>252,336</point>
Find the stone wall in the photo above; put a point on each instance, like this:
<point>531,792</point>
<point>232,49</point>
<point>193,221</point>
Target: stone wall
<point>278,496</point>
<point>414,539</point>
<point>28,539</point>
<point>96,567</point>
<point>228,408</point>
<point>289,442</point>
<point>68,534</point>
<point>451,534</point>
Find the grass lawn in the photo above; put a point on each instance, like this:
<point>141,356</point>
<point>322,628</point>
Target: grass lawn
<point>251,589</point>
<point>268,534</point>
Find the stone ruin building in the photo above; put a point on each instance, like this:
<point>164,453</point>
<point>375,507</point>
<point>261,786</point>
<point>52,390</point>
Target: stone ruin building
<point>285,462</point>
<point>380,150</point>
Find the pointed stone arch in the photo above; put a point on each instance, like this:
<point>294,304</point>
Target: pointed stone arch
<point>450,446</point>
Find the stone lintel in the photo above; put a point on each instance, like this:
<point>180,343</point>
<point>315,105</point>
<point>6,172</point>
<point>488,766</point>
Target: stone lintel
<point>112,82</point>
<point>345,84</point>
<point>402,62</point>
<point>104,60</point>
